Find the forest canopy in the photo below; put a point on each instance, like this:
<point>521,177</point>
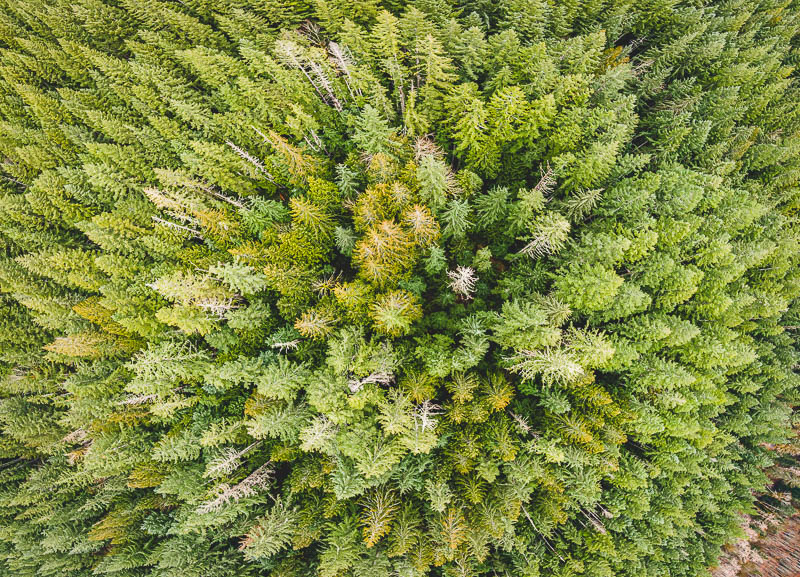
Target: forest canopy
<point>393,288</point>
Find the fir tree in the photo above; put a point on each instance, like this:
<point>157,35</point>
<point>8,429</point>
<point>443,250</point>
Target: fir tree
<point>400,288</point>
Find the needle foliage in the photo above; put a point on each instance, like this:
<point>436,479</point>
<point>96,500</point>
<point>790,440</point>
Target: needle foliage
<point>404,287</point>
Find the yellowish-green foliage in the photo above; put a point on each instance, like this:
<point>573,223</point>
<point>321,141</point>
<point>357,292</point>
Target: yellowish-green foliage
<point>367,288</point>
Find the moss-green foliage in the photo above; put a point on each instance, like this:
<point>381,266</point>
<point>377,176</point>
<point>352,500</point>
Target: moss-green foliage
<point>376,288</point>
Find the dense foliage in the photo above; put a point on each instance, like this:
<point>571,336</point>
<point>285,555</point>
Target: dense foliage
<point>350,287</point>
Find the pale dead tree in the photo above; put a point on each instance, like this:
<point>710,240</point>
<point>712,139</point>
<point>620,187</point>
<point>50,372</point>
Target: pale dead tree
<point>217,306</point>
<point>138,400</point>
<point>285,346</point>
<point>237,202</point>
<point>452,184</point>
<point>546,542</point>
<point>257,480</point>
<point>181,196</point>
<point>522,423</point>
<point>247,157</point>
<point>325,82</point>
<point>462,281</point>
<point>14,180</point>
<point>266,138</point>
<point>547,181</point>
<point>290,54</point>
<point>397,78</point>
<point>381,378</point>
<point>176,226</point>
<point>186,219</point>
<point>18,374</point>
<point>76,436</point>
<point>186,199</point>
<point>594,520</point>
<point>606,513</point>
<point>325,285</point>
<point>425,146</point>
<point>343,60</point>
<point>636,43</point>
<point>317,145</point>
<point>425,415</point>
<point>793,472</point>
<point>228,461</point>
<point>200,185</point>
<point>642,66</point>
<point>312,31</point>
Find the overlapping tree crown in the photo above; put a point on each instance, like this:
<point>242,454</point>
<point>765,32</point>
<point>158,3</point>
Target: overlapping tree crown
<point>392,288</point>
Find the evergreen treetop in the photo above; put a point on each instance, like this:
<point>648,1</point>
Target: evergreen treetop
<point>437,287</point>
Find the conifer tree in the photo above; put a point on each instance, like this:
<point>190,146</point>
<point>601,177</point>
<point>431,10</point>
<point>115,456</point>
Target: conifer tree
<point>414,288</point>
